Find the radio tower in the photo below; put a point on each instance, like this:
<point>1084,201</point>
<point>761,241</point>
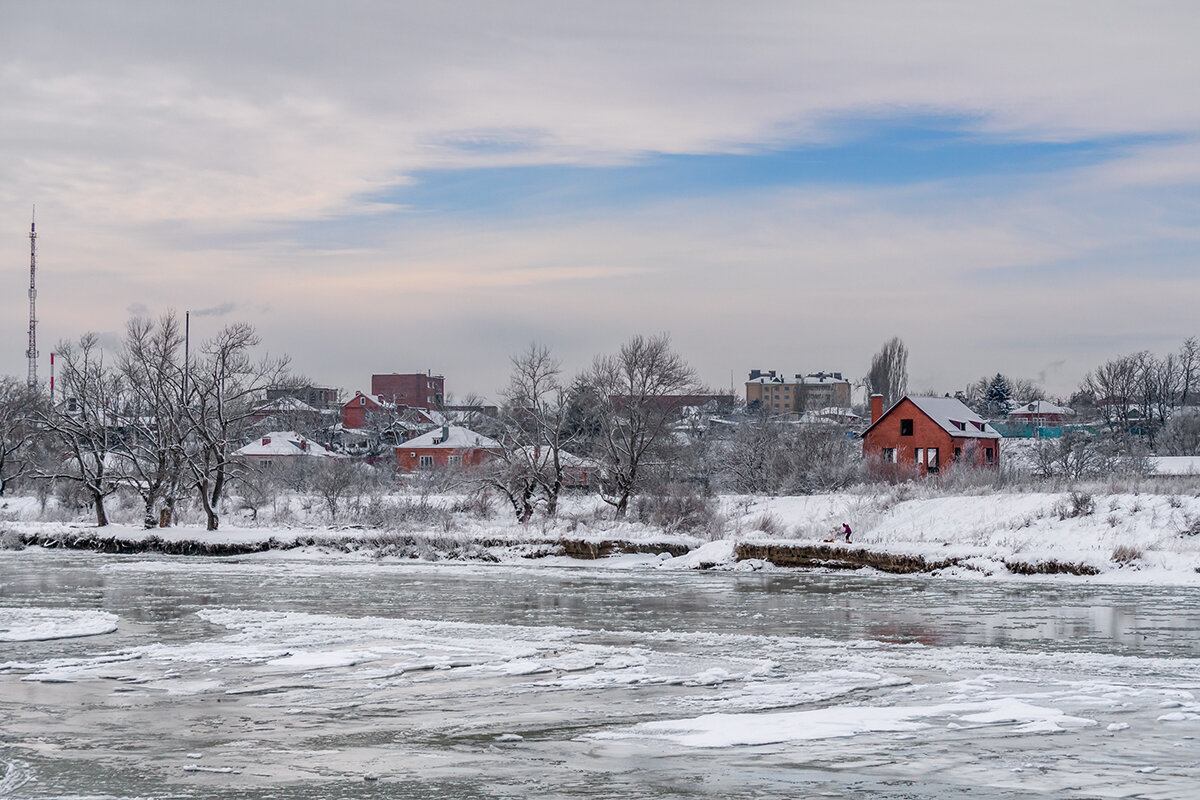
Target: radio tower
<point>32,352</point>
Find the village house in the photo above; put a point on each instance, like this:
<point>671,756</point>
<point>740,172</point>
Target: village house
<point>280,447</point>
<point>447,446</point>
<point>930,434</point>
<point>1040,414</point>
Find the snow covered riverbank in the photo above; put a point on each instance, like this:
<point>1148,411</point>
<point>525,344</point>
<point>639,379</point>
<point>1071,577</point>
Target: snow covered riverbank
<point>1127,537</point>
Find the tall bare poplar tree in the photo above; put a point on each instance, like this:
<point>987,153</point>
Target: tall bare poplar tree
<point>888,375</point>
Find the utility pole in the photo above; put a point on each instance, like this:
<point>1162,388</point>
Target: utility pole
<point>32,352</point>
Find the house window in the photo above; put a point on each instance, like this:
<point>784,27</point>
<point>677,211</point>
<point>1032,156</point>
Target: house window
<point>426,462</point>
<point>957,453</point>
<point>988,456</point>
<point>920,456</point>
<point>931,461</point>
<point>362,401</point>
<point>889,455</point>
<point>906,427</point>
<point>454,461</point>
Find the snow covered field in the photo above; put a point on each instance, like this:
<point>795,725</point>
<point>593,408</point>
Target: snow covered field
<point>1129,536</point>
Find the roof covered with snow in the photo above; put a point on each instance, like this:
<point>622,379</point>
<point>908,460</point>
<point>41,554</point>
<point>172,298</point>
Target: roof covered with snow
<point>284,443</point>
<point>950,414</point>
<point>451,436</point>
<point>1039,407</point>
<point>954,417</point>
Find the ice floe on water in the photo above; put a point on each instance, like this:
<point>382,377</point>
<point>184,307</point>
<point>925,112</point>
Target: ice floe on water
<point>43,624</point>
<point>727,730</point>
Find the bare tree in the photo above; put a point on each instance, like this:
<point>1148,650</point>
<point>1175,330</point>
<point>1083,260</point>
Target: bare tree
<point>528,464</point>
<point>1189,369</point>
<point>20,407</point>
<point>86,425</point>
<point>888,375</point>
<point>535,387</point>
<point>151,454</point>
<point>1114,386</point>
<point>226,382</point>
<point>637,393</point>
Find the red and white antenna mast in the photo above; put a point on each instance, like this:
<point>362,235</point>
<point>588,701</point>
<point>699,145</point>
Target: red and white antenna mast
<point>32,352</point>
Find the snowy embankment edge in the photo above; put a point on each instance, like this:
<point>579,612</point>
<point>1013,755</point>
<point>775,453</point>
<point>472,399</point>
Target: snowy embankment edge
<point>1121,537</point>
<point>445,546</point>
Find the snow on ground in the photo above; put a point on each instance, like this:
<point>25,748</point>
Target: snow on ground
<point>1125,536</point>
<point>43,624</point>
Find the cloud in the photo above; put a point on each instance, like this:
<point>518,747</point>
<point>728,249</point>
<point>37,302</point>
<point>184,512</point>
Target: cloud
<point>215,311</point>
<point>167,169</point>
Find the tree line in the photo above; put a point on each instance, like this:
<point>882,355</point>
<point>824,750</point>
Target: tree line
<point>154,418</point>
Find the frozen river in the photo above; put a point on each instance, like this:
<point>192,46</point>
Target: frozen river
<point>155,677</point>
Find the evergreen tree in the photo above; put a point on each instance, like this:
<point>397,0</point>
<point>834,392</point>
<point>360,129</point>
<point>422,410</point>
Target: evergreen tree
<point>999,397</point>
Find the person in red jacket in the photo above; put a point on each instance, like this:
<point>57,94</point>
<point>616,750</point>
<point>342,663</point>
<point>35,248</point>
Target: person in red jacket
<point>846,530</point>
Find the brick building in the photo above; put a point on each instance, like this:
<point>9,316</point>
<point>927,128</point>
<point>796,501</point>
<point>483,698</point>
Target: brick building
<point>780,394</point>
<point>410,389</point>
<point>930,434</point>
<point>447,446</point>
<point>1040,414</point>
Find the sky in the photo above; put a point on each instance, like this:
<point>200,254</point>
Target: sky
<point>406,186</point>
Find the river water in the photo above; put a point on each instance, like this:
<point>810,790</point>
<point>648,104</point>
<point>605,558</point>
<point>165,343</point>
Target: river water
<point>262,677</point>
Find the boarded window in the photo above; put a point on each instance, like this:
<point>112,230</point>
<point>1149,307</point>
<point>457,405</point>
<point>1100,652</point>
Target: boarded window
<point>931,460</point>
<point>889,455</point>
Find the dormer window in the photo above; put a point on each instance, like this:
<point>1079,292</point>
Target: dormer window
<point>978,425</point>
<point>962,426</point>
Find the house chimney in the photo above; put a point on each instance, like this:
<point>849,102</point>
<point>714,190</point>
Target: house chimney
<point>755,373</point>
<point>304,445</point>
<point>445,432</point>
<point>876,407</point>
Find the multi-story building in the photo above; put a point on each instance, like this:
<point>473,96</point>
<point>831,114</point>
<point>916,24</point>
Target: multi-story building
<point>320,397</point>
<point>414,389</point>
<point>780,394</point>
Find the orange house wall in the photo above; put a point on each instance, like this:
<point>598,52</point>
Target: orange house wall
<point>408,459</point>
<point>354,413</point>
<point>926,434</point>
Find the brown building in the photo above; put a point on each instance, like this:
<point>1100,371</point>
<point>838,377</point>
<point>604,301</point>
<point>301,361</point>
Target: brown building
<point>410,389</point>
<point>447,446</point>
<point>782,395</point>
<point>929,433</point>
<point>316,396</point>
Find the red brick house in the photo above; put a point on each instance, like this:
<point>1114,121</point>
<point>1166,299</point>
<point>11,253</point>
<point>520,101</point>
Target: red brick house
<point>447,446</point>
<point>929,433</point>
<point>1040,414</point>
<point>356,409</point>
<point>410,389</point>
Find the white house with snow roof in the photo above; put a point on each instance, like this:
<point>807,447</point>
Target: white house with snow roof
<point>282,446</point>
